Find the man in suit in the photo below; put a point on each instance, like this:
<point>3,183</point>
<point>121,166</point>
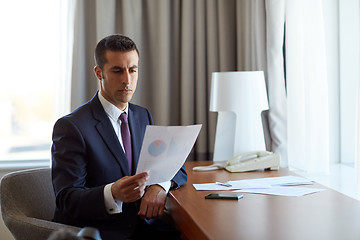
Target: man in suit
<point>93,180</point>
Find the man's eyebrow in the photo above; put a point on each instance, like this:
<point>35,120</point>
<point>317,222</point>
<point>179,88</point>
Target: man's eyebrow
<point>117,68</point>
<point>123,68</point>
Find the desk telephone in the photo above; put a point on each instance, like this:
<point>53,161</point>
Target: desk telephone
<point>244,162</point>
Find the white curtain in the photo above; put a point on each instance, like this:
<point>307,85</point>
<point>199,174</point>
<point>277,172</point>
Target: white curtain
<point>275,19</point>
<point>307,87</point>
<point>62,99</point>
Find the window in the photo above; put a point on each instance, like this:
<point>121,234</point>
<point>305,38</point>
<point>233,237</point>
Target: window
<point>349,51</point>
<point>342,50</point>
<point>31,61</point>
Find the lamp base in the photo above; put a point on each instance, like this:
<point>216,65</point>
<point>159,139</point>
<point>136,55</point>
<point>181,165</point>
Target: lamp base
<point>225,136</point>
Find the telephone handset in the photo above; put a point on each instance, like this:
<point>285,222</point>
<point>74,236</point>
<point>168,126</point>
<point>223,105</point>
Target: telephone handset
<point>252,161</point>
<point>244,162</point>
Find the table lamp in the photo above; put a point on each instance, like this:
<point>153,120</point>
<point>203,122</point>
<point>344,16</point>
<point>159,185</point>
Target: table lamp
<point>239,98</point>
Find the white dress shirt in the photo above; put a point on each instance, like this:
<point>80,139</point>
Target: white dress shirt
<point>114,206</point>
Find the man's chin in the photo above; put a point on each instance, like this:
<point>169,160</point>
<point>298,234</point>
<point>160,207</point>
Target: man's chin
<point>124,100</point>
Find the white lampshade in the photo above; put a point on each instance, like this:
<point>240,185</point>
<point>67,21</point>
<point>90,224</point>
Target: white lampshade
<point>239,98</point>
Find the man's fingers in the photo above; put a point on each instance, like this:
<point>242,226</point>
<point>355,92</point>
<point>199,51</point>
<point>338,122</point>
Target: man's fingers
<point>128,194</point>
<point>130,188</point>
<point>157,211</point>
<point>161,211</point>
<point>150,209</point>
<point>143,209</point>
<point>137,179</point>
<point>153,203</point>
<point>132,182</point>
<point>136,193</point>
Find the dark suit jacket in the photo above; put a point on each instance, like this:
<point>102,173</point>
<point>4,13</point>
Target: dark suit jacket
<point>87,155</point>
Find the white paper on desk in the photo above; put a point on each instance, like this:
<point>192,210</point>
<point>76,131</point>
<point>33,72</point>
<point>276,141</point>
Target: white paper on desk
<point>164,150</point>
<point>270,182</point>
<point>255,183</point>
<point>211,187</point>
<point>282,191</point>
<point>286,180</point>
<point>242,184</point>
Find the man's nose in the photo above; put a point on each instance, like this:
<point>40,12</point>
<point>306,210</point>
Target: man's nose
<point>127,78</point>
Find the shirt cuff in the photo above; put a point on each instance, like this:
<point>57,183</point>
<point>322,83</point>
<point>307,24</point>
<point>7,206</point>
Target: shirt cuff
<point>165,185</point>
<point>112,206</point>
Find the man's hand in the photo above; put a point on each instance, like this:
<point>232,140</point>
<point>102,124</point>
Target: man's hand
<point>130,188</point>
<point>153,203</point>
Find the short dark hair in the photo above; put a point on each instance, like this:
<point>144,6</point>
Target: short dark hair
<point>116,42</point>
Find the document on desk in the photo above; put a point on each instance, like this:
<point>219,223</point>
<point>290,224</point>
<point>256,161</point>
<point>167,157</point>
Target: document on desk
<point>282,191</point>
<point>277,181</point>
<point>233,185</point>
<point>164,150</point>
<point>254,183</point>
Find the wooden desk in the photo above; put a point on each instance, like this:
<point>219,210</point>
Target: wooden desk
<point>324,215</point>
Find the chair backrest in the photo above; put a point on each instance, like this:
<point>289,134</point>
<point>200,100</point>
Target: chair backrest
<point>29,192</point>
<point>266,129</point>
<point>28,204</point>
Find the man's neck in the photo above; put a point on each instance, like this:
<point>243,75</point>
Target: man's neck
<point>122,107</point>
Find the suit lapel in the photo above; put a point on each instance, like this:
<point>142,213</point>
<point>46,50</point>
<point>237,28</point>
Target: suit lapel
<point>106,131</point>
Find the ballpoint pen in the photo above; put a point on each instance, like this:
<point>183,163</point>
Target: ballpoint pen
<point>225,184</point>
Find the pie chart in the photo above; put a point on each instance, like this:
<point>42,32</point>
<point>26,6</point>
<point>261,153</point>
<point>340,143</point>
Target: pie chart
<point>156,148</point>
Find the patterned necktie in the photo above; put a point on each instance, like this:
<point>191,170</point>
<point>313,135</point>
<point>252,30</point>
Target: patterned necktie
<point>125,135</point>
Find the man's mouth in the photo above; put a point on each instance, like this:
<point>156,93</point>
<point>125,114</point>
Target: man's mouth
<point>126,90</point>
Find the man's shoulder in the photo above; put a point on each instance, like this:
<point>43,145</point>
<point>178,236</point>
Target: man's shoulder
<point>135,107</point>
<point>141,113</point>
<point>84,112</point>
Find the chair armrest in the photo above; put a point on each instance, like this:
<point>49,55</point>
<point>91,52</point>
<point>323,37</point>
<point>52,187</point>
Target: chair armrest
<point>23,227</point>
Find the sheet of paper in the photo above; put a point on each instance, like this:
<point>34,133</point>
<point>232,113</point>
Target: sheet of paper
<point>282,191</point>
<point>255,183</point>
<point>234,185</point>
<point>211,187</point>
<point>275,181</point>
<point>165,149</point>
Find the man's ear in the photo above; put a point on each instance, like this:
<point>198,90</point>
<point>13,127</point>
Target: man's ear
<point>98,72</point>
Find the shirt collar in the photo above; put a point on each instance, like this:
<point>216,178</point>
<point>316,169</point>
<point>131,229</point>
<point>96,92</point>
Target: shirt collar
<point>111,110</point>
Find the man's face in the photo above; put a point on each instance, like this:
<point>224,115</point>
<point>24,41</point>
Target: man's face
<point>119,77</point>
